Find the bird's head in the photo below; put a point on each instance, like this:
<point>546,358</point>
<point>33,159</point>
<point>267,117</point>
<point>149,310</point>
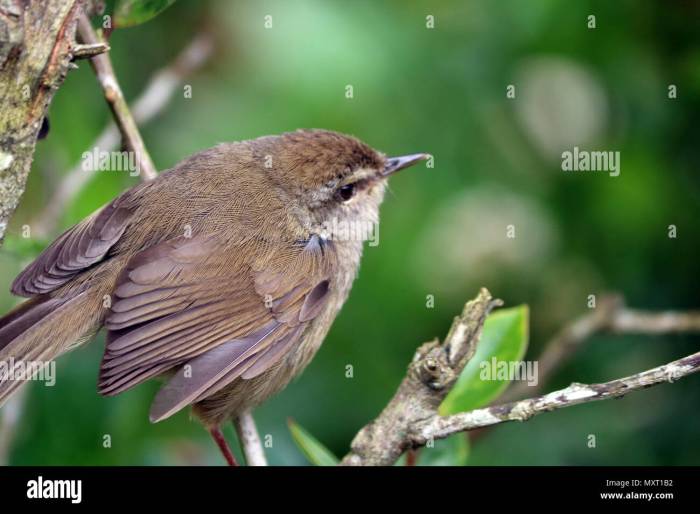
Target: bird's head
<point>332,179</point>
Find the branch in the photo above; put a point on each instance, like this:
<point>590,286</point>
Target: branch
<point>440,427</point>
<point>36,38</point>
<point>432,373</point>
<point>153,100</point>
<point>609,316</point>
<point>250,440</point>
<point>411,418</point>
<point>629,321</point>
<point>115,99</point>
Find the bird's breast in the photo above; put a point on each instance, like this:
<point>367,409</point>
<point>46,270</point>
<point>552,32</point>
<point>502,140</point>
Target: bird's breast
<point>340,286</point>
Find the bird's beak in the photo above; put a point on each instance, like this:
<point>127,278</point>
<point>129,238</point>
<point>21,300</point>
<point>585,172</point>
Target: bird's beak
<point>394,164</point>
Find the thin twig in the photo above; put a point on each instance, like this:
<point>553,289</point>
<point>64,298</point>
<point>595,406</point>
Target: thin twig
<point>115,98</point>
<point>411,418</point>
<point>250,440</point>
<point>152,101</point>
<point>440,427</point>
<point>630,321</point>
<point>88,51</point>
<point>609,316</point>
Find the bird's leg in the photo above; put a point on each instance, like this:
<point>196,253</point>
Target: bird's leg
<point>411,457</point>
<point>223,445</point>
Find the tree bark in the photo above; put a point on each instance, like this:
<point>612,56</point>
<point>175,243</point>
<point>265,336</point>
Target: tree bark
<point>36,41</point>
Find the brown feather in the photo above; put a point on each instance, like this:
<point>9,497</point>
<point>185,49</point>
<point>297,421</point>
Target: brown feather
<point>254,262</point>
<point>178,327</point>
<point>76,250</point>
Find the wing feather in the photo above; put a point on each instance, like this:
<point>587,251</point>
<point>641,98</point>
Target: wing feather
<point>76,250</point>
<point>210,316</point>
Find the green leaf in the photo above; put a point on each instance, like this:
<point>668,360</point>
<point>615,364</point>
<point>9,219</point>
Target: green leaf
<point>504,338</point>
<point>312,449</point>
<point>452,451</point>
<point>128,13</point>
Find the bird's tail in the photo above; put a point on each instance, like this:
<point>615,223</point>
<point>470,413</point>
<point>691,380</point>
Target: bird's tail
<point>39,330</point>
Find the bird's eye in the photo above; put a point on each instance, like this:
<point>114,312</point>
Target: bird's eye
<point>346,192</point>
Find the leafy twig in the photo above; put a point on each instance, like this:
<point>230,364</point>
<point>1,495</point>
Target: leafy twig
<point>432,373</point>
<point>411,418</point>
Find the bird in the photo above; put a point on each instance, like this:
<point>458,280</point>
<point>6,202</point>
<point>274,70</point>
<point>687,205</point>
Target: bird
<point>219,277</point>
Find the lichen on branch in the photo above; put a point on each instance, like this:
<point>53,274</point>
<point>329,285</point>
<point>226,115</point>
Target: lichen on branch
<point>36,42</point>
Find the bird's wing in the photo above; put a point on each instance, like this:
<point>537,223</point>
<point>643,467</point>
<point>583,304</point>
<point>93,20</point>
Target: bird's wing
<point>211,315</point>
<point>76,250</point>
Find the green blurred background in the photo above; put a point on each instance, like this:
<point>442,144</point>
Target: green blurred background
<point>443,231</point>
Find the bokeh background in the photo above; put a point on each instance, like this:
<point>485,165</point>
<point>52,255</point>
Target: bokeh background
<point>443,231</point>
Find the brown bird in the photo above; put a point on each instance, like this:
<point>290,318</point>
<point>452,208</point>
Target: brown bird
<point>220,275</point>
